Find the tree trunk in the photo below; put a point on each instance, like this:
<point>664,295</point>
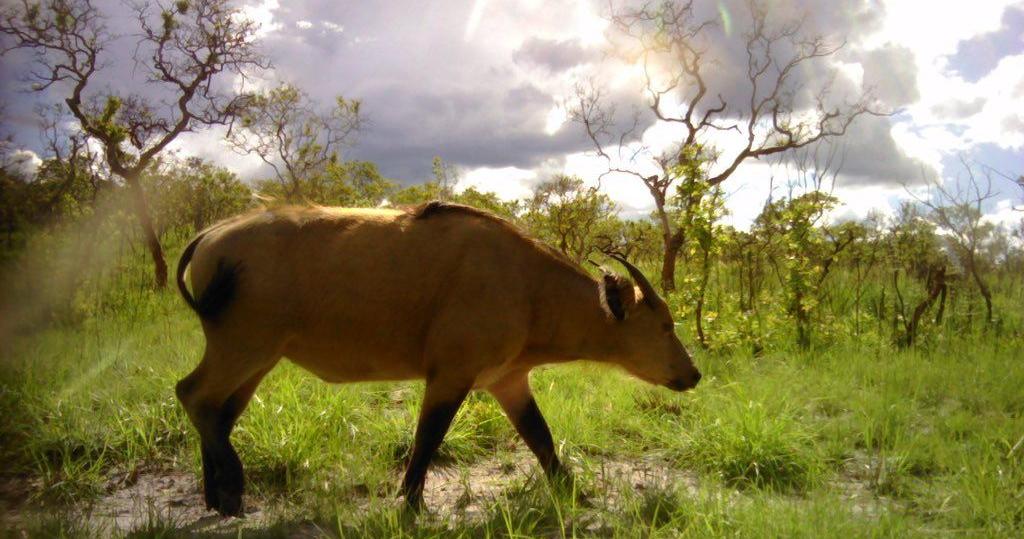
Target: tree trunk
<point>803,323</point>
<point>146,223</point>
<point>985,293</point>
<point>699,311</point>
<point>942,304</point>
<point>668,264</point>
<point>936,287</point>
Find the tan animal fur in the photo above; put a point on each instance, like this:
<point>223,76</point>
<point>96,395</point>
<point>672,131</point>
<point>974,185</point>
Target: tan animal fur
<point>444,293</point>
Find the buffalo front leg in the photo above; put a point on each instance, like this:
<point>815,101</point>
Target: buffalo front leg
<point>514,395</point>
<point>441,401</point>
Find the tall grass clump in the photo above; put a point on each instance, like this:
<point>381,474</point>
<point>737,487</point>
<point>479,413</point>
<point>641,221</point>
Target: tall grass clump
<point>749,446</point>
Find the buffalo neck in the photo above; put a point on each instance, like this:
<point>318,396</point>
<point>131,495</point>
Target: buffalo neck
<point>568,322</point>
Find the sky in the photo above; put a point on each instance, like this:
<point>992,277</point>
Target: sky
<point>483,84</point>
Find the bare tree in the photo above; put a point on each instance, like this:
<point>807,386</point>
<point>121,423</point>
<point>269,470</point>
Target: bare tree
<point>84,164</point>
<point>770,121</point>
<point>958,211</point>
<point>182,51</point>
<point>1016,180</point>
<point>295,135</point>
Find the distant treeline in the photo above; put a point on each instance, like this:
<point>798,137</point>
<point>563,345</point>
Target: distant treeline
<point>932,270</point>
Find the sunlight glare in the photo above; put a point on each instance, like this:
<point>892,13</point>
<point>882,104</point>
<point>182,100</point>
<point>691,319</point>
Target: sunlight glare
<point>590,27</point>
<point>555,119</point>
<point>474,19</point>
<point>263,15</point>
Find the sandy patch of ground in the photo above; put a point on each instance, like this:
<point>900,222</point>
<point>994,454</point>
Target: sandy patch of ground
<point>136,500</point>
<point>467,491</point>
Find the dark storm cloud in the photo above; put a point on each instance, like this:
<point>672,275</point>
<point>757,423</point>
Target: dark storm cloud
<point>892,74</point>
<point>977,56</point>
<point>873,157</point>
<point>554,55</point>
<point>428,91</point>
<point>119,74</point>
<point>839,23</point>
<point>429,88</point>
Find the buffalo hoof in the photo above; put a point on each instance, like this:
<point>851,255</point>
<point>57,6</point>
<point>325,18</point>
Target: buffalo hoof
<point>565,483</point>
<point>413,501</point>
<point>210,495</point>
<point>229,503</point>
<point>224,492</point>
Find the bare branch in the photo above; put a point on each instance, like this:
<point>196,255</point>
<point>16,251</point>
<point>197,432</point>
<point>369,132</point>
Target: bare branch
<point>673,47</point>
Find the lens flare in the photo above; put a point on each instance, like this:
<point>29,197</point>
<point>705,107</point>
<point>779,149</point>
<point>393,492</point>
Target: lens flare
<point>723,12</point>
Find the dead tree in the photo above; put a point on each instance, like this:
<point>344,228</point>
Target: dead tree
<point>771,120</point>
<point>182,50</point>
<point>959,210</point>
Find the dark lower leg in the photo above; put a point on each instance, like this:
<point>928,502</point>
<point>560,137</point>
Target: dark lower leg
<point>225,483</point>
<point>435,419</point>
<point>534,430</point>
<point>209,494</point>
<point>222,469</point>
<point>228,480</point>
<point>514,395</point>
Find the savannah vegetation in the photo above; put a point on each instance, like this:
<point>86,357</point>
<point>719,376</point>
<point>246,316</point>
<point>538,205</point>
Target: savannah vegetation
<point>861,378</point>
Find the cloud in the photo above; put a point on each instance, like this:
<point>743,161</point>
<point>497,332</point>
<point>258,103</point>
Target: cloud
<point>490,99</point>
<point>1005,214</point>
<point>509,183</point>
<point>873,156</point>
<point>554,55</point>
<point>22,163</point>
<point>959,109</point>
<point>891,72</point>
<point>977,56</point>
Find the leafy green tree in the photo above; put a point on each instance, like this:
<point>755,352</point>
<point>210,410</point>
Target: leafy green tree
<point>918,272</point>
<point>15,205</point>
<point>185,51</point>
<point>805,252</point>
<point>440,187</point>
<point>418,194</point>
<point>298,138</point>
<point>636,240</point>
<point>697,208</point>
<point>65,190</point>
<point>509,209</point>
<point>569,215</point>
<point>346,183</point>
<point>192,194</point>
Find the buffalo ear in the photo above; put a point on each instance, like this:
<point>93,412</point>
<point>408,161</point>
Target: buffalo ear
<point>618,296</point>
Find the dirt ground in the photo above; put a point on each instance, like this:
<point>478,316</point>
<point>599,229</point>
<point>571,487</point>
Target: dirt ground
<point>135,499</point>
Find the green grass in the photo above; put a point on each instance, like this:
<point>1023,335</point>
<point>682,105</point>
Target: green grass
<point>852,440</point>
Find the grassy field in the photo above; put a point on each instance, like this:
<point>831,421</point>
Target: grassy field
<point>853,440</point>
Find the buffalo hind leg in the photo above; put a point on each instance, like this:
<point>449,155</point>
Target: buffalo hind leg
<point>441,401</point>
<point>514,395</point>
<point>231,481</point>
<point>214,396</point>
